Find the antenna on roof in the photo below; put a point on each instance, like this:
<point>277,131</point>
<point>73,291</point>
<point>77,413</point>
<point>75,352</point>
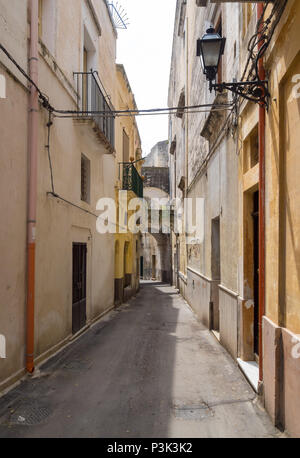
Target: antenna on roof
<point>119,15</point>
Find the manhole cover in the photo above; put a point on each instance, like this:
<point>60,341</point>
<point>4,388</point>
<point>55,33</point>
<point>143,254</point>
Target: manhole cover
<point>192,413</point>
<point>29,415</point>
<point>77,365</point>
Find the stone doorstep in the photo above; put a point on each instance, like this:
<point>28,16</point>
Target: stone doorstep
<point>251,371</point>
<point>217,335</point>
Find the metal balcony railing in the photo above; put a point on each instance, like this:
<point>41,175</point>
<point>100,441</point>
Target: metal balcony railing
<point>132,181</point>
<point>91,100</point>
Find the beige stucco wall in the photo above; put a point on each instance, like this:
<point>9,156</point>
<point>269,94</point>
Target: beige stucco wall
<point>13,185</point>
<point>59,224</point>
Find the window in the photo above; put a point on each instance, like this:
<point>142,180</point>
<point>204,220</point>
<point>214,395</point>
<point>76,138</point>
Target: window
<point>126,151</point>
<point>219,30</point>
<point>85,81</point>
<point>89,51</point>
<point>251,150</point>
<point>254,147</point>
<point>47,21</point>
<point>87,65</point>
<point>247,15</point>
<point>40,18</point>
<point>181,104</point>
<point>170,129</point>
<point>85,178</point>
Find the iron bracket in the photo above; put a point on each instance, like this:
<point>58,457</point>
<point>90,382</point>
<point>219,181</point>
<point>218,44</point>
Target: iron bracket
<point>255,91</point>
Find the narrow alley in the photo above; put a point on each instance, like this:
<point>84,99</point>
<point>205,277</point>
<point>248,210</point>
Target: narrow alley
<point>149,369</point>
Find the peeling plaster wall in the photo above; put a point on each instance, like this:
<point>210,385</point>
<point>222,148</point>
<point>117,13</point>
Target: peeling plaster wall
<point>200,137</point>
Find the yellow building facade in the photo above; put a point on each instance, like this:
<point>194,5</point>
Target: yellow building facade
<point>281,324</point>
<point>280,327</point>
<point>129,186</point>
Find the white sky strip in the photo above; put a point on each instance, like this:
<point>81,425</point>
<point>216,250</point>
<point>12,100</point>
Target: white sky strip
<point>145,49</point>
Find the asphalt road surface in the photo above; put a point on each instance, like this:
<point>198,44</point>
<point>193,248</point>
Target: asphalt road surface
<point>148,370</point>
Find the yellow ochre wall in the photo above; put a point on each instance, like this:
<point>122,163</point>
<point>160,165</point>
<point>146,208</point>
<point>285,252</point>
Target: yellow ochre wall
<point>282,175</point>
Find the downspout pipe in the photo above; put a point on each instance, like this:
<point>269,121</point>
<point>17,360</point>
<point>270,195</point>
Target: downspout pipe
<point>32,181</point>
<point>262,200</point>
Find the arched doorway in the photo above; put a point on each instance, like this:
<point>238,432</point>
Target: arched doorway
<point>118,275</point>
<point>127,264</point>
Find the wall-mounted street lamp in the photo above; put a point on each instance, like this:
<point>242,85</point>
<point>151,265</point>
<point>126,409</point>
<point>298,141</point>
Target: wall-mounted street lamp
<point>210,49</point>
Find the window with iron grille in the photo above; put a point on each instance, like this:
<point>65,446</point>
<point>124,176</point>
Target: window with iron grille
<point>85,178</point>
<point>126,147</point>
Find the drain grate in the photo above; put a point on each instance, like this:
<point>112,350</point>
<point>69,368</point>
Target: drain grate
<point>29,415</point>
<point>8,400</point>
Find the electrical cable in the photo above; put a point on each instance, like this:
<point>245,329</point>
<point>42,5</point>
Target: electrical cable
<point>278,7</point>
<point>49,125</point>
<point>44,98</point>
<point>222,108</point>
<point>261,30</point>
<point>138,112</point>
<point>265,30</point>
<point>263,34</point>
<point>46,104</point>
<point>66,201</point>
<point>57,196</point>
<point>53,113</point>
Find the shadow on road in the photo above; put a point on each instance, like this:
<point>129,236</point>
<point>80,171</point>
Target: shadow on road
<point>148,370</point>
<point>114,381</point>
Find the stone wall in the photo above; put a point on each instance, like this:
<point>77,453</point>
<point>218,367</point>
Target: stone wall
<point>156,247</point>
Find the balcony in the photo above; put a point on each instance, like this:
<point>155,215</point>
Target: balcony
<point>132,181</point>
<point>90,100</point>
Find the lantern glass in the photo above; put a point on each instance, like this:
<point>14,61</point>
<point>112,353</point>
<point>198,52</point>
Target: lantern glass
<point>210,50</point>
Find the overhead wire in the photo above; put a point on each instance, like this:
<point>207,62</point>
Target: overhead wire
<point>264,33</point>
<point>44,98</point>
<point>139,112</point>
<point>113,113</point>
<point>260,35</point>
<point>213,108</point>
<point>46,104</point>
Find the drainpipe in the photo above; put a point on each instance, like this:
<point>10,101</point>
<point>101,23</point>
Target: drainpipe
<point>262,195</point>
<point>32,186</point>
<point>187,101</point>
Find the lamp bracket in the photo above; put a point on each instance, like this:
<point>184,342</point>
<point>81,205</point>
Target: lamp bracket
<point>255,91</point>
